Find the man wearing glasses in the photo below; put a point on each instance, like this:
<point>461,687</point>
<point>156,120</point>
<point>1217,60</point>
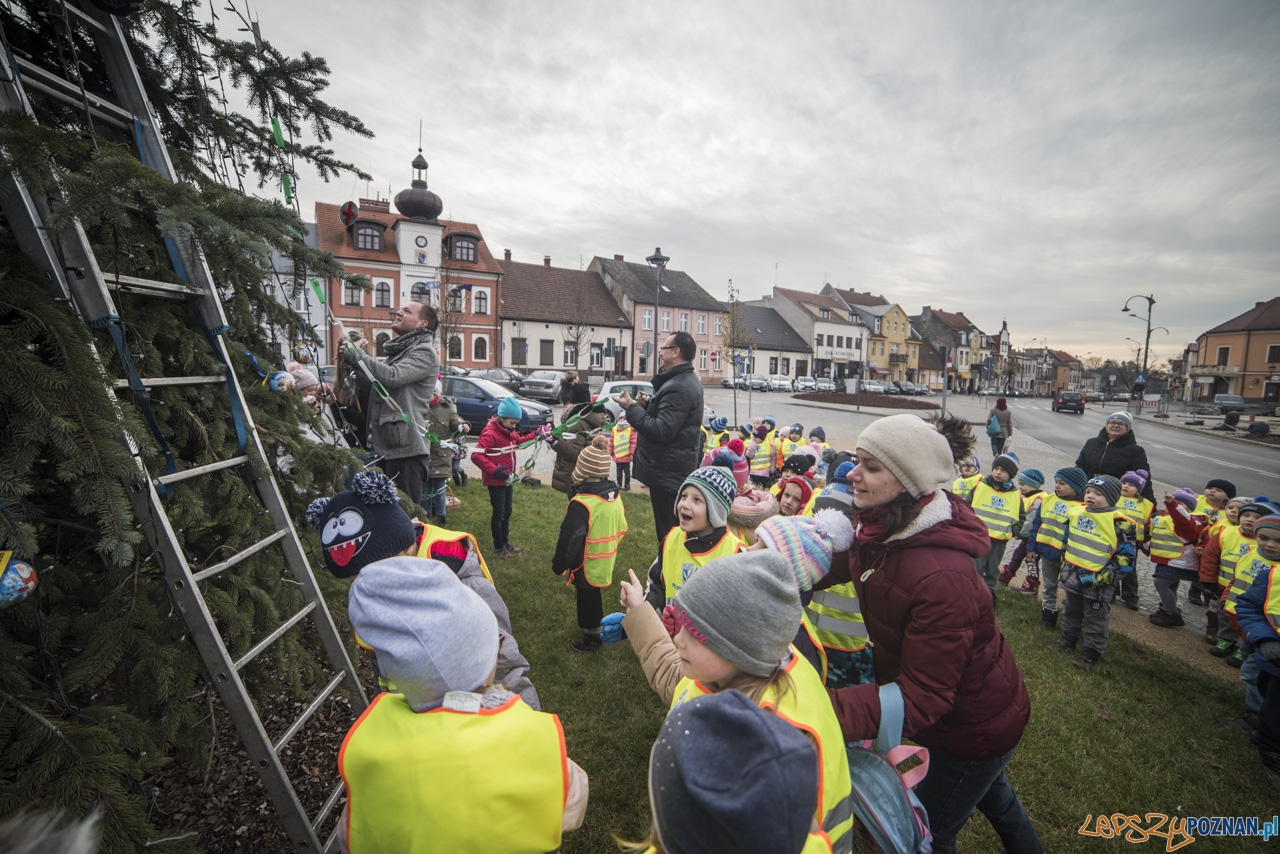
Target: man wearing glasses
<point>667,426</point>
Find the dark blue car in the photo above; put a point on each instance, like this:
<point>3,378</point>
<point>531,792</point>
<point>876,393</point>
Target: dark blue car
<point>478,400</point>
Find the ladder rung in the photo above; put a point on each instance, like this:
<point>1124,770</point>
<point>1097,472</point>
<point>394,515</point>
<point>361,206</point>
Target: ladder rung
<point>159,382</point>
<point>236,558</point>
<point>329,805</point>
<point>37,78</point>
<point>311,710</point>
<point>274,636</point>
<point>86,19</point>
<point>154,286</point>
<point>167,479</point>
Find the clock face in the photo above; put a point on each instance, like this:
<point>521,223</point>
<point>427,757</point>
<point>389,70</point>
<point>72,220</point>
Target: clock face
<point>421,241</point>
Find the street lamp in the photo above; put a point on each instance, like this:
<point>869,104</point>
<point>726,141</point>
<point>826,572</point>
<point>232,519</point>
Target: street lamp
<point>622,322</point>
<point>1146,348</point>
<point>657,261</point>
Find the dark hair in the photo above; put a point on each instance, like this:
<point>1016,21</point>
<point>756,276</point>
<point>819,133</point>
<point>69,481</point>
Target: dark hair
<point>688,347</point>
<point>900,512</point>
<point>428,314</point>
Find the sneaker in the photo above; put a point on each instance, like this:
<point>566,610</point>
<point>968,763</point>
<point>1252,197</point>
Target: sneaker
<point>1236,659</point>
<point>1195,598</point>
<point>1030,587</point>
<point>1087,660</point>
<point>1063,645</point>
<point>1246,723</point>
<point>1131,604</point>
<point>504,551</point>
<point>1222,648</point>
<point>512,549</point>
<point>1007,573</point>
<point>1048,619</point>
<point>1166,620</point>
<point>586,643</point>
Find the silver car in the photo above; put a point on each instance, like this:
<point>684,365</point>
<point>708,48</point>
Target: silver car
<point>608,390</point>
<point>805,384</point>
<point>778,382</point>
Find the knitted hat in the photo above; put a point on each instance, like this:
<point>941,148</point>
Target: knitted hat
<point>1137,478</point>
<point>842,471</point>
<point>727,775</point>
<point>1123,417</point>
<point>1217,483</point>
<point>718,424</point>
<point>1262,508</point>
<point>361,524</point>
<point>726,457</point>
<point>1269,521</point>
<point>746,607</point>
<point>593,461</point>
<point>972,462</point>
<point>770,420</point>
<point>819,433</point>
<point>1074,477</point>
<point>798,463</point>
<point>579,393</point>
<point>1186,497</point>
<point>746,431</point>
<point>510,408</point>
<point>805,485</point>
<point>432,634</point>
<point>302,378</point>
<point>751,507</point>
<point>718,489</point>
<point>1008,461</point>
<point>736,447</point>
<point>796,428</point>
<point>808,542</point>
<point>913,451</point>
<point>1108,486</point>
<point>1032,477</point>
<point>761,432</point>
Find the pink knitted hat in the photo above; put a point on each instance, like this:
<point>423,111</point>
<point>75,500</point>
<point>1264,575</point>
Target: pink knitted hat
<point>807,543</point>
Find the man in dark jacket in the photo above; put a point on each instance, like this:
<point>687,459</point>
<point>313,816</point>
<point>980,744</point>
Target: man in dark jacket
<point>668,427</point>
<point>1115,451</point>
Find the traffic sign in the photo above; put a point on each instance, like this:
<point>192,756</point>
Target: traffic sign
<point>1140,379</point>
<point>1113,376</point>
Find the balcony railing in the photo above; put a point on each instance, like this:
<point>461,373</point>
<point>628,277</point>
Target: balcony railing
<point>897,358</point>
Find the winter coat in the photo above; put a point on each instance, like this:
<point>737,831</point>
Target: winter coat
<point>932,621</point>
<point>669,429</point>
<point>1099,456</point>
<point>442,419</point>
<point>571,547</point>
<point>410,378</point>
<point>494,435</point>
<point>1251,616</point>
<point>571,443</point>
<point>1005,418</point>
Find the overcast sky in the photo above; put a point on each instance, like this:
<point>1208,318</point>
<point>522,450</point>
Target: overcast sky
<point>1024,161</point>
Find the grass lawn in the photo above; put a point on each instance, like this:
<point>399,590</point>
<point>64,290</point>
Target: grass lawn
<point>1135,736</point>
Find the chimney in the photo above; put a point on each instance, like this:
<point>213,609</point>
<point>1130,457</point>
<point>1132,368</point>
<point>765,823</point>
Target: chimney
<point>617,257</point>
<point>546,260</point>
<point>506,254</point>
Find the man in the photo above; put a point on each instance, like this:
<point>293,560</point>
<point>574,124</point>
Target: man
<point>669,428</point>
<point>409,376</point>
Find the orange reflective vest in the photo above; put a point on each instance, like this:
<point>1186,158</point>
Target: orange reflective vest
<point>678,563</point>
<point>606,526</point>
<point>444,780</point>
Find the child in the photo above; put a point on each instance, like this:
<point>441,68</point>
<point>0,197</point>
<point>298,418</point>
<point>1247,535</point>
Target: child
<point>1174,535</point>
<point>1099,545</point>
<point>1029,483</point>
<point>439,643</point>
<point>970,474</point>
<point>443,421</point>
<point>624,449</point>
<point>1258,612</point>
<point>791,445</point>
<point>998,504</point>
<point>733,457</point>
<point>495,456</point>
<point>1221,546</point>
<point>794,495</point>
<point>761,452</point>
<point>730,626</point>
<point>725,775</point>
<point>715,435</point>
<point>1210,505</point>
<point>1138,511</point>
<point>837,494</point>
<point>1241,578</point>
<point>1047,538</point>
<point>750,507</point>
<point>702,510</point>
<point>818,441</point>
<point>593,527</point>
<point>460,477</point>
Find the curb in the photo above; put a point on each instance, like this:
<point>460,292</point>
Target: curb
<point>1213,434</point>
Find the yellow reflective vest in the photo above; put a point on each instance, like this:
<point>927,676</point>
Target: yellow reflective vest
<point>1138,511</point>
<point>678,563</point>
<point>963,487</point>
<point>1234,544</point>
<point>815,843</point>
<point>436,534</point>
<point>444,780</point>
<point>1205,509</point>
<point>622,443</point>
<point>1165,544</point>
<point>787,447</point>
<point>1250,564</point>
<point>1271,608</point>
<point>606,526</point>
<point>762,459</point>
<point>1091,538</point>
<point>1000,511</point>
<point>837,618</point>
<point>1054,513</point>
<point>808,708</point>
<point>1030,499</point>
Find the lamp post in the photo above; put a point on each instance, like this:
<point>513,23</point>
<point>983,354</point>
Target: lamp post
<point>657,261</point>
<point>622,322</point>
<point>1146,347</point>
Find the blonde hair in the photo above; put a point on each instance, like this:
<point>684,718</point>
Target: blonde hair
<point>757,687</point>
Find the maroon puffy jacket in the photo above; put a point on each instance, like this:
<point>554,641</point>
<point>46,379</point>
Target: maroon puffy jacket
<point>933,624</point>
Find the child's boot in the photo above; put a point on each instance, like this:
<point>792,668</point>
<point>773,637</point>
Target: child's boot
<point>1211,627</point>
<point>1007,573</point>
<point>1222,648</point>
<point>1088,659</point>
<point>1194,595</point>
<point>589,642</point>
<point>1064,644</point>
<point>1030,586</point>
<point>1166,620</point>
<point>1048,619</point>
<point>1236,659</point>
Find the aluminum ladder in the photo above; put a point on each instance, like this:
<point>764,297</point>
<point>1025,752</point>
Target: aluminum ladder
<point>73,270</point>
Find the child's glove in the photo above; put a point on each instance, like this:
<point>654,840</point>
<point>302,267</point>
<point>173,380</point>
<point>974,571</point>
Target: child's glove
<point>543,432</point>
<point>611,627</point>
<point>502,473</point>
<point>1270,650</point>
<point>1086,578</point>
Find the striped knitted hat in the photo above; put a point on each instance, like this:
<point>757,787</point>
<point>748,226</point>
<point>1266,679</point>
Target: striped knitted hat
<point>718,489</point>
<point>807,542</point>
<point>1074,477</point>
<point>594,461</point>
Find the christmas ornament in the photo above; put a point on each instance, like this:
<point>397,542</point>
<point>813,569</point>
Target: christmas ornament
<point>17,581</point>
<point>302,353</point>
<point>281,382</point>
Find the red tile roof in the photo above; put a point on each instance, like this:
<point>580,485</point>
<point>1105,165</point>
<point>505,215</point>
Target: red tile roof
<point>810,302</point>
<point>556,295</point>
<point>1263,315</point>
<point>852,297</point>
<point>955,319</point>
<point>334,237</point>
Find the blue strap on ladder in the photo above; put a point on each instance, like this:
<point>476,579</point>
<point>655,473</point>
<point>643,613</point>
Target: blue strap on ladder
<point>141,396</point>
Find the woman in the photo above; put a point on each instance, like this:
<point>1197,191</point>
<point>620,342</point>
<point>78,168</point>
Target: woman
<point>1005,419</point>
<point>577,437</point>
<point>1115,451</point>
<point>567,382</point>
<point>933,626</point>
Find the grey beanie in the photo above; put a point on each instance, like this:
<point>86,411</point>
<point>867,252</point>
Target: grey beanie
<point>1123,417</point>
<point>912,449</point>
<point>1108,486</point>
<point>747,606</point>
<point>432,634</point>
<point>718,489</point>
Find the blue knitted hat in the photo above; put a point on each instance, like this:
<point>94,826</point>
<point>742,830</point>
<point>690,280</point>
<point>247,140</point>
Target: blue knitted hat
<point>1074,477</point>
<point>1032,477</point>
<point>509,408</point>
<point>718,424</point>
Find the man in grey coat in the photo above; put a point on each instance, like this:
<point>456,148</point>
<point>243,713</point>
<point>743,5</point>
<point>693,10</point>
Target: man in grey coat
<point>667,428</point>
<point>409,376</point>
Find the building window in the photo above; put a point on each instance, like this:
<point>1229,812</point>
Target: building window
<point>419,292</point>
<point>351,294</point>
<point>454,302</point>
<point>684,321</point>
<point>479,302</point>
<point>702,360</point>
<point>817,340</point>
<point>786,367</point>
<point>830,340</point>
<point>857,344</point>
<point>597,355</point>
<point>480,349</point>
<point>1273,353</point>
<point>369,237</point>
<point>702,324</point>
<point>719,321</point>
<point>382,295</point>
<point>877,326</point>
<point>1224,355</point>
<point>455,347</point>
<point>644,365</point>
<point>666,321</point>
<point>646,321</point>
<point>840,341</point>
<point>824,313</point>
<point>773,365</point>
<point>570,354</point>
<point>464,249</point>
<point>519,351</point>
<point>546,352</point>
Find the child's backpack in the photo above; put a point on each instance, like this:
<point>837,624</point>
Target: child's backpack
<point>993,426</point>
<point>883,800</point>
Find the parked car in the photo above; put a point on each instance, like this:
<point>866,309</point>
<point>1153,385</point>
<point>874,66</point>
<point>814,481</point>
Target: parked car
<point>608,390</point>
<point>1093,397</point>
<point>755,382</point>
<point>905,387</point>
<point>804,384</point>
<point>328,374</point>
<point>478,400</point>
<point>825,384</point>
<point>727,382</point>
<point>778,382</point>
<point>1121,395</point>
<point>1068,401</point>
<point>508,378</point>
<point>454,371</point>
<point>1228,403</point>
<point>874,387</point>
<point>542,385</point>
